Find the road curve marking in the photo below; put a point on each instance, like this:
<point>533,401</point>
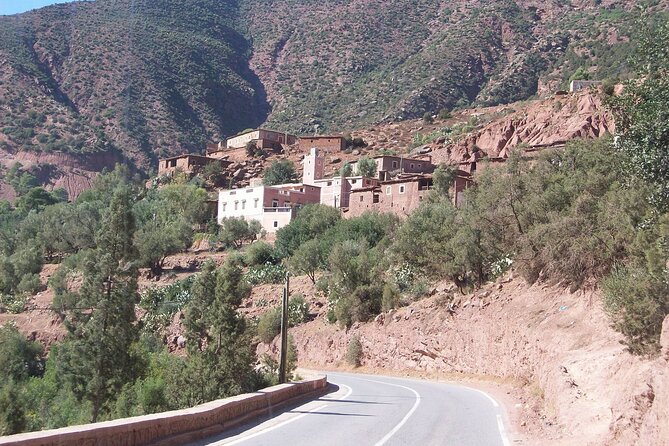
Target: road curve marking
<point>500,422</point>
<point>387,437</point>
<point>288,421</point>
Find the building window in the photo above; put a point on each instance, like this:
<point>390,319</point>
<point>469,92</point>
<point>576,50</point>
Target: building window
<point>249,190</point>
<point>354,181</point>
<point>236,205</point>
<point>243,204</point>
<point>412,165</point>
<point>361,198</point>
<point>394,164</point>
<point>389,190</point>
<point>329,183</point>
<point>223,206</point>
<point>276,224</point>
<point>402,188</point>
<point>420,165</point>
<point>275,203</point>
<point>233,192</point>
<point>255,203</point>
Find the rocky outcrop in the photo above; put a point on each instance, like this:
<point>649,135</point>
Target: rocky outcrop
<point>538,124</point>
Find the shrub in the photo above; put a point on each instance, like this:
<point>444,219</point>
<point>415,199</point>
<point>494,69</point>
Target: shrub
<point>445,113</point>
<point>280,172</point>
<point>354,352</point>
<point>637,301</point>
<point>267,273</point>
<point>259,253</point>
<point>427,118</point>
<point>269,325</point>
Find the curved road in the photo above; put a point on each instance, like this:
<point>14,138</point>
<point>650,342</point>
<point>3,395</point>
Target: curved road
<point>379,410</point>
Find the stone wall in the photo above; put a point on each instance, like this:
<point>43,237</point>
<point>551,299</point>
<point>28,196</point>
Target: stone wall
<point>176,427</point>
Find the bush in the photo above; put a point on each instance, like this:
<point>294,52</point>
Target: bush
<point>267,273</point>
<point>280,172</point>
<point>445,113</point>
<point>354,352</point>
<point>259,253</point>
<point>298,310</point>
<point>427,118</point>
<point>637,301</point>
<point>269,325</point>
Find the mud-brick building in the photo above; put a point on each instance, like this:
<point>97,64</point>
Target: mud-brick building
<point>263,138</point>
<point>387,167</point>
<point>273,206</point>
<point>325,143</point>
<point>188,163</point>
<point>400,196</point>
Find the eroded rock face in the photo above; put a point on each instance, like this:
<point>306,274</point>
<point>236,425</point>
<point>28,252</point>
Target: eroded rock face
<point>545,123</point>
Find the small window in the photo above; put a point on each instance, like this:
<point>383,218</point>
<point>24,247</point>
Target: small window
<point>361,198</point>
<point>402,188</point>
<point>394,164</point>
<point>276,224</point>
<point>233,192</point>
<point>243,204</point>
<point>389,190</point>
<point>354,181</point>
<point>412,165</point>
<point>420,165</point>
<point>275,203</point>
<point>223,206</point>
<point>329,183</point>
<point>249,190</point>
<point>255,203</point>
<point>236,205</point>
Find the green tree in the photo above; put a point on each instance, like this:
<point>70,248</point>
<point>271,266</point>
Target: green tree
<point>346,170</point>
<point>366,167</point>
<point>280,172</point>
<point>443,179</point>
<point>220,361</point>
<point>97,359</point>
<point>642,112</point>
<point>307,260</point>
<point>235,231</point>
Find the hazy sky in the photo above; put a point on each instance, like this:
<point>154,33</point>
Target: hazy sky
<point>16,6</point>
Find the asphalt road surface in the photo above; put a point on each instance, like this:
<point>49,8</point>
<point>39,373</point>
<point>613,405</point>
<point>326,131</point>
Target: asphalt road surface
<point>379,410</point>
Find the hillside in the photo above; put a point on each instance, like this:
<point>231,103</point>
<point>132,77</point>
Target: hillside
<point>144,79</point>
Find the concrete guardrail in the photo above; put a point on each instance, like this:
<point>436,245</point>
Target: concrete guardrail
<point>176,427</point>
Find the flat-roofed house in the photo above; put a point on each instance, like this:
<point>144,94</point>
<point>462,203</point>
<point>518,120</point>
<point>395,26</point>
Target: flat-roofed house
<point>273,206</point>
<point>264,139</point>
<point>328,143</point>
<point>188,163</point>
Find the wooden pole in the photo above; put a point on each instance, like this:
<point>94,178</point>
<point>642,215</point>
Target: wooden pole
<point>283,358</point>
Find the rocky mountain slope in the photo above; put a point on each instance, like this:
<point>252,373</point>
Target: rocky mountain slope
<point>143,79</point>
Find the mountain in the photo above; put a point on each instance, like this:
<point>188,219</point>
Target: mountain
<point>142,79</point>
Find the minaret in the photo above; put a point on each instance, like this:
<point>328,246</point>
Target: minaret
<point>314,167</point>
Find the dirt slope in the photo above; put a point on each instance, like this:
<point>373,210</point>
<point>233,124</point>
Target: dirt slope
<point>575,381</point>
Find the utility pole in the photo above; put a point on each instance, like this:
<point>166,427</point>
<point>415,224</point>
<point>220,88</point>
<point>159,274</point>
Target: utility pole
<point>283,358</point>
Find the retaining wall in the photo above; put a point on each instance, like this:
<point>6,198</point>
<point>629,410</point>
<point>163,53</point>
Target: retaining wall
<point>175,427</point>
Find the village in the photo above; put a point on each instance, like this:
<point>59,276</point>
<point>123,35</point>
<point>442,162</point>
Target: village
<point>398,184</point>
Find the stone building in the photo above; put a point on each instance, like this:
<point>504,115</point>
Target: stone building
<point>389,166</point>
<point>579,85</point>
<point>188,163</point>
<point>264,139</point>
<point>327,143</point>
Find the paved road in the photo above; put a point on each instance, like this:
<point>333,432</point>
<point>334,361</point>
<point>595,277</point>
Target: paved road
<point>376,410</point>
